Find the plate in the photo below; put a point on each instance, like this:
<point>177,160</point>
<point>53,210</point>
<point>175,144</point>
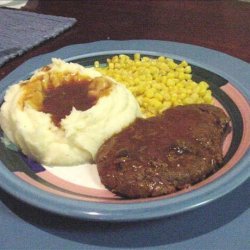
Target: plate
<point>69,195</point>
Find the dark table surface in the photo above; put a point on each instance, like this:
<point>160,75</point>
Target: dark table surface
<point>219,25</point>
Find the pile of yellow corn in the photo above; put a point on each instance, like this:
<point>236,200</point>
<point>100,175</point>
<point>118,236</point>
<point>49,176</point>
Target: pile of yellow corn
<point>158,83</point>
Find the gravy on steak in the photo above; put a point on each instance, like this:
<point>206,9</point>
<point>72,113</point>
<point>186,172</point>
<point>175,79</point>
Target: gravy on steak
<point>164,154</point>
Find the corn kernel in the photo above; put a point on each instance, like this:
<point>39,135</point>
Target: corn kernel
<point>183,64</point>
<point>111,65</point>
<point>170,82</point>
<point>96,64</point>
<point>137,56</point>
<point>207,98</point>
<point>158,83</point>
<point>172,65</point>
<point>167,104</point>
<point>149,93</point>
<point>159,97</point>
<point>157,104</point>
<point>182,76</point>
<point>188,69</point>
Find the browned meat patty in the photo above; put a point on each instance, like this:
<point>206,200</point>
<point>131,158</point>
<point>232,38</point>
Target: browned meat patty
<point>163,154</point>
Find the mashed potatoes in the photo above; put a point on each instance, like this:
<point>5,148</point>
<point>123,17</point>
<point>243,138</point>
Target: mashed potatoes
<point>80,134</point>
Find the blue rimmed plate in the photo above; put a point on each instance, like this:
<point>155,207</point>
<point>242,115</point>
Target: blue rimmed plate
<point>77,191</point>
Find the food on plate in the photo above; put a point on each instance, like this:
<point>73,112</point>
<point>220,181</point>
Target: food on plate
<point>152,135</point>
<point>164,154</point>
<point>64,113</point>
<point>157,83</point>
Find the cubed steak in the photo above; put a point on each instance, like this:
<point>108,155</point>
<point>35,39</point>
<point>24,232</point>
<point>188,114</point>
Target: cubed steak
<point>164,154</point>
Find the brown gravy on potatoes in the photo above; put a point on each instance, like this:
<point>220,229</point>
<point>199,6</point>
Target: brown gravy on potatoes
<point>82,95</point>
